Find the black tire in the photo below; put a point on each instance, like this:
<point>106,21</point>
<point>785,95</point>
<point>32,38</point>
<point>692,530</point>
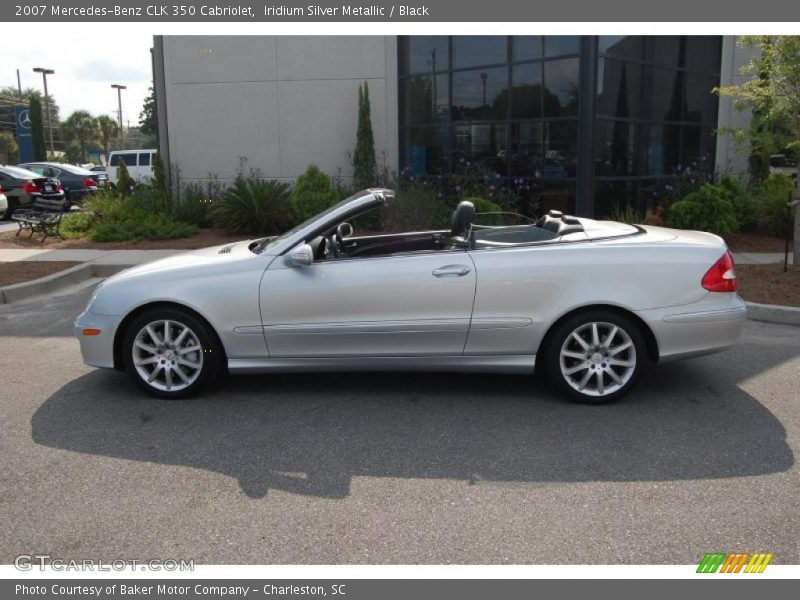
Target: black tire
<point>210,352</point>
<point>603,384</point>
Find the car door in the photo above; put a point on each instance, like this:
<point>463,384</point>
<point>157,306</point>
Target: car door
<point>401,305</point>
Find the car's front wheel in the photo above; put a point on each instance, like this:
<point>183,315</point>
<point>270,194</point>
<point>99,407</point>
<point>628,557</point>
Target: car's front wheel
<point>170,353</point>
<point>595,357</point>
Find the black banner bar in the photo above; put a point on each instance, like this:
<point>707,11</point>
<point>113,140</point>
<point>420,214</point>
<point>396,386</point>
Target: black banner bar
<point>382,11</point>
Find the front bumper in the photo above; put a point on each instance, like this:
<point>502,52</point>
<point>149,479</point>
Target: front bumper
<point>712,324</point>
<point>97,350</point>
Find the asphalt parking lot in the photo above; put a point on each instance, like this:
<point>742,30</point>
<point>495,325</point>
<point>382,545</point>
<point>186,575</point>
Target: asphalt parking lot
<point>391,468</point>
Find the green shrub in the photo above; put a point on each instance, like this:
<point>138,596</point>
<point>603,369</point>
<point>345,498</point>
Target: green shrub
<point>415,208</point>
<point>743,204</point>
<point>254,206</point>
<point>110,217</point>
<point>125,182</point>
<point>486,211</point>
<point>708,209</point>
<point>312,194</point>
<point>770,198</point>
<point>76,225</point>
<point>141,225</point>
<point>192,205</point>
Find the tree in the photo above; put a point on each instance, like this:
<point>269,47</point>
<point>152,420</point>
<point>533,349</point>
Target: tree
<point>125,182</point>
<point>108,131</point>
<point>8,146</point>
<point>37,129</point>
<point>364,164</point>
<point>10,96</point>
<point>148,123</point>
<point>81,127</point>
<point>773,94</point>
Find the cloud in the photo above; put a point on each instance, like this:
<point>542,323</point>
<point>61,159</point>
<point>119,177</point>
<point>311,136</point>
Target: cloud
<point>102,70</point>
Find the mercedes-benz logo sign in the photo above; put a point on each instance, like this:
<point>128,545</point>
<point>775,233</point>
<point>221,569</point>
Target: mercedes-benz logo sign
<point>25,119</point>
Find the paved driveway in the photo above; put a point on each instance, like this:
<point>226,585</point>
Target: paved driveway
<point>394,468</point>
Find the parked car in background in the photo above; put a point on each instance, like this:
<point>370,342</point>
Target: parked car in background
<point>589,301</point>
<point>22,187</point>
<point>138,162</point>
<point>3,203</point>
<point>76,181</point>
<point>102,174</point>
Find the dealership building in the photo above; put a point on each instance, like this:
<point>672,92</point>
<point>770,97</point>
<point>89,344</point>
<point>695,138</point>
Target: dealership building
<point>581,123</point>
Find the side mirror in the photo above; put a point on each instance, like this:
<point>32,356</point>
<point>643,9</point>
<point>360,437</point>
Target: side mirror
<point>301,256</point>
<point>345,230</point>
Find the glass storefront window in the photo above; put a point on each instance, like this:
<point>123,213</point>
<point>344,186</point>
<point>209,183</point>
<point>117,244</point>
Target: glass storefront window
<point>486,144</point>
<point>478,50</point>
<point>615,149</point>
<point>665,50</point>
<point>662,150</point>
<point>526,91</point>
<point>703,53</point>
<point>526,47</point>
<point>619,88</point>
<point>426,149</point>
<point>559,45</point>
<point>701,103</point>
<point>425,54</point>
<point>480,94</point>
<point>561,87</point>
<point>623,46</point>
<point>526,152</point>
<point>560,149</point>
<point>426,98</point>
<point>666,97</point>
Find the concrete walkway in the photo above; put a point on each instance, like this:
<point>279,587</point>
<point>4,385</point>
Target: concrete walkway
<point>135,257</point>
<point>102,257</point>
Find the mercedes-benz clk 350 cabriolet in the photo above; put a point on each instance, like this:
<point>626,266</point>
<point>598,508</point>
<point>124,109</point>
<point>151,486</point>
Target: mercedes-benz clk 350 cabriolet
<point>589,301</point>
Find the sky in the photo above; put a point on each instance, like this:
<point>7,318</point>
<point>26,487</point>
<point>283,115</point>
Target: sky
<point>87,60</point>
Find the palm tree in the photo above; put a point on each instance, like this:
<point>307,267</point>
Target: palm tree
<point>108,131</point>
<point>82,127</point>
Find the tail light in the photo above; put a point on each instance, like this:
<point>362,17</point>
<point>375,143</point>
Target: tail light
<point>721,277</point>
<point>59,188</point>
<point>29,187</point>
<point>89,183</point>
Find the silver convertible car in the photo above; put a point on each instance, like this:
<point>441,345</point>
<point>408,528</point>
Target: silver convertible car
<point>588,301</point>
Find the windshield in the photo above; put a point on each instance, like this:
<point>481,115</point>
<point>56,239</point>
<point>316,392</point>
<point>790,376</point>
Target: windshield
<point>19,173</point>
<point>271,242</point>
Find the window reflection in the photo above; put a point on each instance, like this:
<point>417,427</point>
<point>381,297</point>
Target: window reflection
<point>526,154</point>
<point>558,45</point>
<point>485,144</point>
<point>480,94</point>
<point>615,143</point>
<point>526,47</point>
<point>426,98</point>
<point>426,149</point>
<point>526,93</point>
<point>561,87</point>
<point>624,46</point>
<point>426,54</point>
<point>478,50</point>
<point>619,87</point>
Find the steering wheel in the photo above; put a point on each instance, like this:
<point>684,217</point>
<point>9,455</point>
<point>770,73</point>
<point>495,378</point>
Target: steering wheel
<point>338,251</point>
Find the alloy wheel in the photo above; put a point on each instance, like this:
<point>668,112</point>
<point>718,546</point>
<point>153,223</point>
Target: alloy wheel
<point>167,355</point>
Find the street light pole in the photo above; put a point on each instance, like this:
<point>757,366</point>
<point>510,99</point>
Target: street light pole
<point>119,89</point>
<point>45,73</point>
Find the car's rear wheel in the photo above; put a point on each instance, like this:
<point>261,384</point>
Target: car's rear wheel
<point>595,357</point>
<point>170,353</point>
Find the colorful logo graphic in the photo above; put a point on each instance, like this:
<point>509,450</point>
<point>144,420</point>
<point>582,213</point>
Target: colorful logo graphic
<point>734,562</point>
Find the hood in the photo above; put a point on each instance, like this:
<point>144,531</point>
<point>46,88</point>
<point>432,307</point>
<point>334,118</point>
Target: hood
<point>202,259</point>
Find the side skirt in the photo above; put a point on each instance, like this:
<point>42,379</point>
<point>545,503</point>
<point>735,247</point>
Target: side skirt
<point>504,363</point>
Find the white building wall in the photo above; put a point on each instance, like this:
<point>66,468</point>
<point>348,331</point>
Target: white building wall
<point>280,101</point>
<point>731,159</point>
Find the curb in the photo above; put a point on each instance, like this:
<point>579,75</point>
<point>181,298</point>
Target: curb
<point>56,281</point>
<point>773,313</point>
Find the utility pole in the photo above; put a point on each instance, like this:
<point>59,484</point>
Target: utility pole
<point>45,73</point>
<point>19,85</point>
<point>119,89</point>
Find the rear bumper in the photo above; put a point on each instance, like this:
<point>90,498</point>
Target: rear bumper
<point>97,350</point>
<point>710,325</point>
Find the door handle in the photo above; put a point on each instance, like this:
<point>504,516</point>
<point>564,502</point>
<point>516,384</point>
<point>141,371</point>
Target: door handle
<point>451,271</point>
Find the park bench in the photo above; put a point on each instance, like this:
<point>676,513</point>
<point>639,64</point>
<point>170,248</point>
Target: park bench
<point>44,215</point>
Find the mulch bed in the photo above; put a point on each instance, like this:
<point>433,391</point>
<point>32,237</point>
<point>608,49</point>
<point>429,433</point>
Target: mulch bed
<point>756,242</point>
<point>768,284</point>
<point>17,272</point>
<point>202,239</point>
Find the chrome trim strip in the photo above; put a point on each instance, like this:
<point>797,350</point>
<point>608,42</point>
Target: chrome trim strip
<point>423,325</point>
<point>729,314</point>
<point>502,363</point>
<point>500,323</point>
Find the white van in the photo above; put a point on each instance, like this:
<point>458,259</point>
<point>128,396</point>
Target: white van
<point>139,163</point>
